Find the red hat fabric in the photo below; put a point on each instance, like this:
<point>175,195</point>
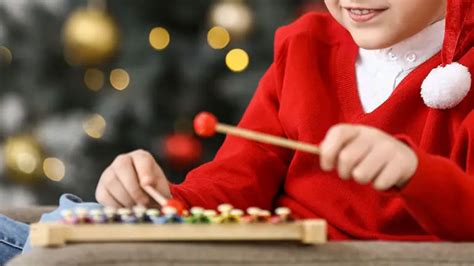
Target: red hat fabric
<point>459,36</point>
<point>447,85</point>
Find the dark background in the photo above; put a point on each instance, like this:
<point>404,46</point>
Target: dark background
<point>45,102</point>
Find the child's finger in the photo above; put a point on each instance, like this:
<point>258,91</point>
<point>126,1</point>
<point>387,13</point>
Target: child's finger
<point>336,138</point>
<point>101,194</point>
<point>389,176</point>
<point>163,184</point>
<point>125,172</point>
<point>106,199</point>
<point>149,172</point>
<point>118,191</point>
<point>350,156</point>
<point>145,167</point>
<point>369,167</point>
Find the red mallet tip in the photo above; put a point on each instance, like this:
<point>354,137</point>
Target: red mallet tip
<point>205,124</point>
<point>177,205</point>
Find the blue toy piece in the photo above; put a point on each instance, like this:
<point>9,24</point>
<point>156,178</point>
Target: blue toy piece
<point>173,219</point>
<point>130,219</point>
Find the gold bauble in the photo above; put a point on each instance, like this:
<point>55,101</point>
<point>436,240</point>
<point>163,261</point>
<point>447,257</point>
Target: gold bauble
<point>90,37</point>
<point>233,15</point>
<point>23,158</point>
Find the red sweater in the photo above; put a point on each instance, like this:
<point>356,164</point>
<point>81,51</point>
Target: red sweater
<point>310,87</point>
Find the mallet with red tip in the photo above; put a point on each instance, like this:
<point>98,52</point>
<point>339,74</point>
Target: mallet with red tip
<point>164,202</point>
<point>206,125</point>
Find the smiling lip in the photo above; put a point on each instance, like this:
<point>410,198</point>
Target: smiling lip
<point>360,15</point>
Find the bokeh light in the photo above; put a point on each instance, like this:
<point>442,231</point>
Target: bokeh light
<point>237,60</point>
<point>218,37</point>
<point>95,126</point>
<point>159,38</point>
<point>91,36</point>
<point>235,16</point>
<point>94,79</point>
<point>6,56</point>
<point>54,169</point>
<point>23,157</point>
<point>119,79</point>
<point>27,162</point>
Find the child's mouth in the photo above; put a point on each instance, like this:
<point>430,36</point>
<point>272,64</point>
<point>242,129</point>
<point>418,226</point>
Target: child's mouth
<point>363,14</point>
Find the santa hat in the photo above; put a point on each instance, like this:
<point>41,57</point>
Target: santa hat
<point>448,84</point>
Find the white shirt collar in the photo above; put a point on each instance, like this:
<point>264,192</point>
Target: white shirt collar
<point>409,53</point>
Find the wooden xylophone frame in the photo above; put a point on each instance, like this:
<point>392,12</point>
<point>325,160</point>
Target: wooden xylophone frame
<point>58,234</point>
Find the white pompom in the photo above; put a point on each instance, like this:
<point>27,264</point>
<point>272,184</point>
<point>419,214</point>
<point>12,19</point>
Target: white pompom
<point>445,87</point>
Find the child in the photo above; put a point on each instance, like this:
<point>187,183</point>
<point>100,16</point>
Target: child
<point>393,165</point>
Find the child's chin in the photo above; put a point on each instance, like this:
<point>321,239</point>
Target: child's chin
<point>373,41</point>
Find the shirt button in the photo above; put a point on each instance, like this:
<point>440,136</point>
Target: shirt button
<point>392,56</point>
<point>411,57</point>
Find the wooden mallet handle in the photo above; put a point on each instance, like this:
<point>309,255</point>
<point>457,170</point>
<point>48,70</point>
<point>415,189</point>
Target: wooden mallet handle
<point>154,194</point>
<point>164,202</point>
<point>206,125</point>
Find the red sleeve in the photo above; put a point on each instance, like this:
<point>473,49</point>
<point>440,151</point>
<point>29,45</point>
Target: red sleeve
<point>441,193</point>
<point>243,173</point>
<point>246,173</point>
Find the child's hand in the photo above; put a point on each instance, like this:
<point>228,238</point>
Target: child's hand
<point>368,155</point>
<point>121,183</point>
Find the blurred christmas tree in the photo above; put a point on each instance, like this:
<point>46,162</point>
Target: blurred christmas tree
<point>83,81</point>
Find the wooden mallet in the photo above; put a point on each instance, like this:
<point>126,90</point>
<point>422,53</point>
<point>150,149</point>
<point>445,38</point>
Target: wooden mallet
<point>164,202</point>
<point>207,125</point>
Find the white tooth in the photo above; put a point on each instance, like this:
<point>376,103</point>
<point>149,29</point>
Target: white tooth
<point>365,12</point>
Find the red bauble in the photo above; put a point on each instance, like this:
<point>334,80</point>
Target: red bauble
<point>182,150</point>
<point>205,124</point>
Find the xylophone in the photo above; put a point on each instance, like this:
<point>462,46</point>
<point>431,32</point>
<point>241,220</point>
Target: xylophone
<point>173,223</point>
<point>141,224</point>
